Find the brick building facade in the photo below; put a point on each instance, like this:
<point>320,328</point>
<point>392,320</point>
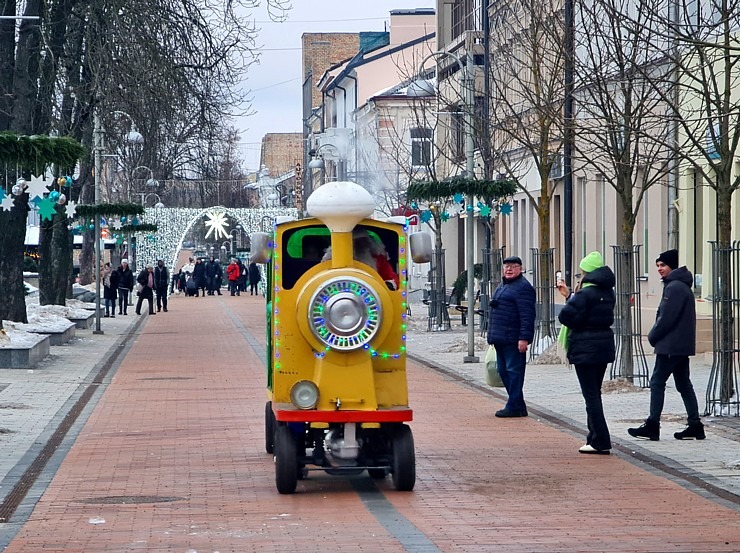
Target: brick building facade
<point>280,152</point>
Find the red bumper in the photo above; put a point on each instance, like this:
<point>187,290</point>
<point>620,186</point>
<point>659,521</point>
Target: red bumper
<point>285,412</point>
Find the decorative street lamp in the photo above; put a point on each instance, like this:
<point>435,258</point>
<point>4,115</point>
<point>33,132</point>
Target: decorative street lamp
<point>318,161</point>
<point>422,87</point>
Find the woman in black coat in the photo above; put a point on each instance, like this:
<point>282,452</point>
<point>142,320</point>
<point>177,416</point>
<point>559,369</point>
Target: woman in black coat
<point>588,315</point>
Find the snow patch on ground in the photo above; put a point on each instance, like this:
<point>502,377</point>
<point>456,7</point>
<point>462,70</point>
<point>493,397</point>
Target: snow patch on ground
<point>64,311</point>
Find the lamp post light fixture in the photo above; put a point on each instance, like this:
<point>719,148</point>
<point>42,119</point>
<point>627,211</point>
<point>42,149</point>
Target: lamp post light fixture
<point>422,87</point>
<point>134,136</point>
<point>318,161</point>
<point>238,230</point>
<point>145,197</point>
<point>224,249</point>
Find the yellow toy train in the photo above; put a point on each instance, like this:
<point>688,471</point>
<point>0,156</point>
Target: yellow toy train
<point>336,340</point>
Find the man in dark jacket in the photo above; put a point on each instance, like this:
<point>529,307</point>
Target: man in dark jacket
<point>211,272</point>
<point>674,338</point>
<point>125,285</point>
<point>510,331</point>
<point>161,279</point>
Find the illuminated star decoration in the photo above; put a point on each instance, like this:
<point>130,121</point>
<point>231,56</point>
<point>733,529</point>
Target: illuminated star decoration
<point>445,216</point>
<point>47,209</point>
<point>506,209</point>
<point>71,208</point>
<point>217,224</point>
<point>117,224</point>
<point>7,203</point>
<point>485,211</point>
<point>37,187</point>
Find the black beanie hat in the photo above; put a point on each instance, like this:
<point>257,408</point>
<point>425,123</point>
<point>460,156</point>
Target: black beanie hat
<point>670,258</point>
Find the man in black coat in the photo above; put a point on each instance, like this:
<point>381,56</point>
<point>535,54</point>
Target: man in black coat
<point>510,331</point>
<point>161,279</point>
<point>674,338</point>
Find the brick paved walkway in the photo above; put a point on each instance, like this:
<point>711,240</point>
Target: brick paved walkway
<point>172,459</point>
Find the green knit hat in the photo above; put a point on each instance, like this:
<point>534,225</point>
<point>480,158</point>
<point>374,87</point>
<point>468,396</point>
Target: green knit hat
<point>591,262</point>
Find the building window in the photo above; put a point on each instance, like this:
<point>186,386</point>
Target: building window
<point>421,147</point>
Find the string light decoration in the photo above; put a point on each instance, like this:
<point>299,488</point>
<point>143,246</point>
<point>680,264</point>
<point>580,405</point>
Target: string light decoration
<point>174,223</point>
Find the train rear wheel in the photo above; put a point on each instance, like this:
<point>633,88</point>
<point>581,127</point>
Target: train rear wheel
<point>404,459</point>
<point>286,460</point>
<point>269,428</point>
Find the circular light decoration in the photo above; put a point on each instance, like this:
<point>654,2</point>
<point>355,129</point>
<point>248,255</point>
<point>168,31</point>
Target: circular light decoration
<point>345,313</point>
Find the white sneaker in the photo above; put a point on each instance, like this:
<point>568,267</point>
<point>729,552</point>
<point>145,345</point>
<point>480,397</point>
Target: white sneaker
<point>592,450</point>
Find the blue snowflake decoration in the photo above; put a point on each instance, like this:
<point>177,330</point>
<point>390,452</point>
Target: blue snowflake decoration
<point>414,205</point>
<point>426,216</point>
<point>458,198</point>
<point>445,216</point>
<point>506,209</point>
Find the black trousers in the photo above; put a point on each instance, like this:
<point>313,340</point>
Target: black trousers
<point>161,297</point>
<point>148,294</point>
<point>123,300</point>
<point>590,377</point>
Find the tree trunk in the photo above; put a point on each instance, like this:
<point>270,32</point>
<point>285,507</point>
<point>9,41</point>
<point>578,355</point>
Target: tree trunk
<point>545,283</point>
<point>55,264</point>
<point>625,286</point>
<point>26,70</point>
<point>12,245</point>
<point>7,63</point>
<point>724,292</point>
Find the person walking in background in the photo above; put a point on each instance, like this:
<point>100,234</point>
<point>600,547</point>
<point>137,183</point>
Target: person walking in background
<point>587,318</point>
<point>125,285</point>
<point>232,274</point>
<point>254,278</point>
<point>146,279</point>
<point>161,278</point>
<point>510,331</point>
<point>219,277</point>
<point>243,276</point>
<point>211,270</point>
<point>199,276</point>
<point>110,290</point>
<point>674,338</point>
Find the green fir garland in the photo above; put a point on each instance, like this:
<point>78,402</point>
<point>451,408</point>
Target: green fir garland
<point>37,152</point>
<point>109,210</point>
<point>434,190</point>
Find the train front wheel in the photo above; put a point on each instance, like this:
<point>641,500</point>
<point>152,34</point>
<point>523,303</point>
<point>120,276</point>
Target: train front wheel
<point>286,460</point>
<point>404,459</point>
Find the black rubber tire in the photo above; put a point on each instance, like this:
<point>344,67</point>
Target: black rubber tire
<point>404,459</point>
<point>286,460</point>
<point>269,428</point>
<point>377,474</point>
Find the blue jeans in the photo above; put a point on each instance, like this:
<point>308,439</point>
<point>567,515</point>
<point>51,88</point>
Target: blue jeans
<point>511,366</point>
<point>590,377</point>
<point>665,365</point>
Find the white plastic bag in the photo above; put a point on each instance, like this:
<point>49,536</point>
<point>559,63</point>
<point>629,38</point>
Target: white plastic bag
<point>492,376</point>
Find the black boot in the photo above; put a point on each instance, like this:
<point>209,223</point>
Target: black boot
<point>691,432</point>
<point>649,430</point>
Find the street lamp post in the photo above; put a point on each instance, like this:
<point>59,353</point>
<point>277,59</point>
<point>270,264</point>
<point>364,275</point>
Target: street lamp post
<point>98,146</point>
<point>466,84</point>
<point>145,197</point>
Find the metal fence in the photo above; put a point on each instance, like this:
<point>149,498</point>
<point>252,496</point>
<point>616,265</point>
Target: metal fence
<point>544,285</point>
<point>490,279</point>
<point>630,363</point>
<point>438,301</point>
<point>722,389</point>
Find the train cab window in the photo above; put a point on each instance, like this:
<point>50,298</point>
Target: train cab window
<point>304,247</point>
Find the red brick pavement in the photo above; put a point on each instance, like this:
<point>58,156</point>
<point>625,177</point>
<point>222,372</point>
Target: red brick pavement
<point>183,419</point>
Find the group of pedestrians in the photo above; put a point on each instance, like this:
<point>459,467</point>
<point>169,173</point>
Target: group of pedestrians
<point>201,278</point>
<point>588,339</point>
<point>119,283</point>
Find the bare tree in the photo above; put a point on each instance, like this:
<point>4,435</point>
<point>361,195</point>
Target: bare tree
<point>527,117</point>
<point>621,133</point>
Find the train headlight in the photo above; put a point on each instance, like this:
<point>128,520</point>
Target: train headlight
<point>345,313</point>
<point>304,394</point>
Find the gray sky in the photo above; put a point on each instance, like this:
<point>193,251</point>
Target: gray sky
<point>276,82</point>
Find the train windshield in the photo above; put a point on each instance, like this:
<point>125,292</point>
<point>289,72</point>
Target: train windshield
<point>304,248</point>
